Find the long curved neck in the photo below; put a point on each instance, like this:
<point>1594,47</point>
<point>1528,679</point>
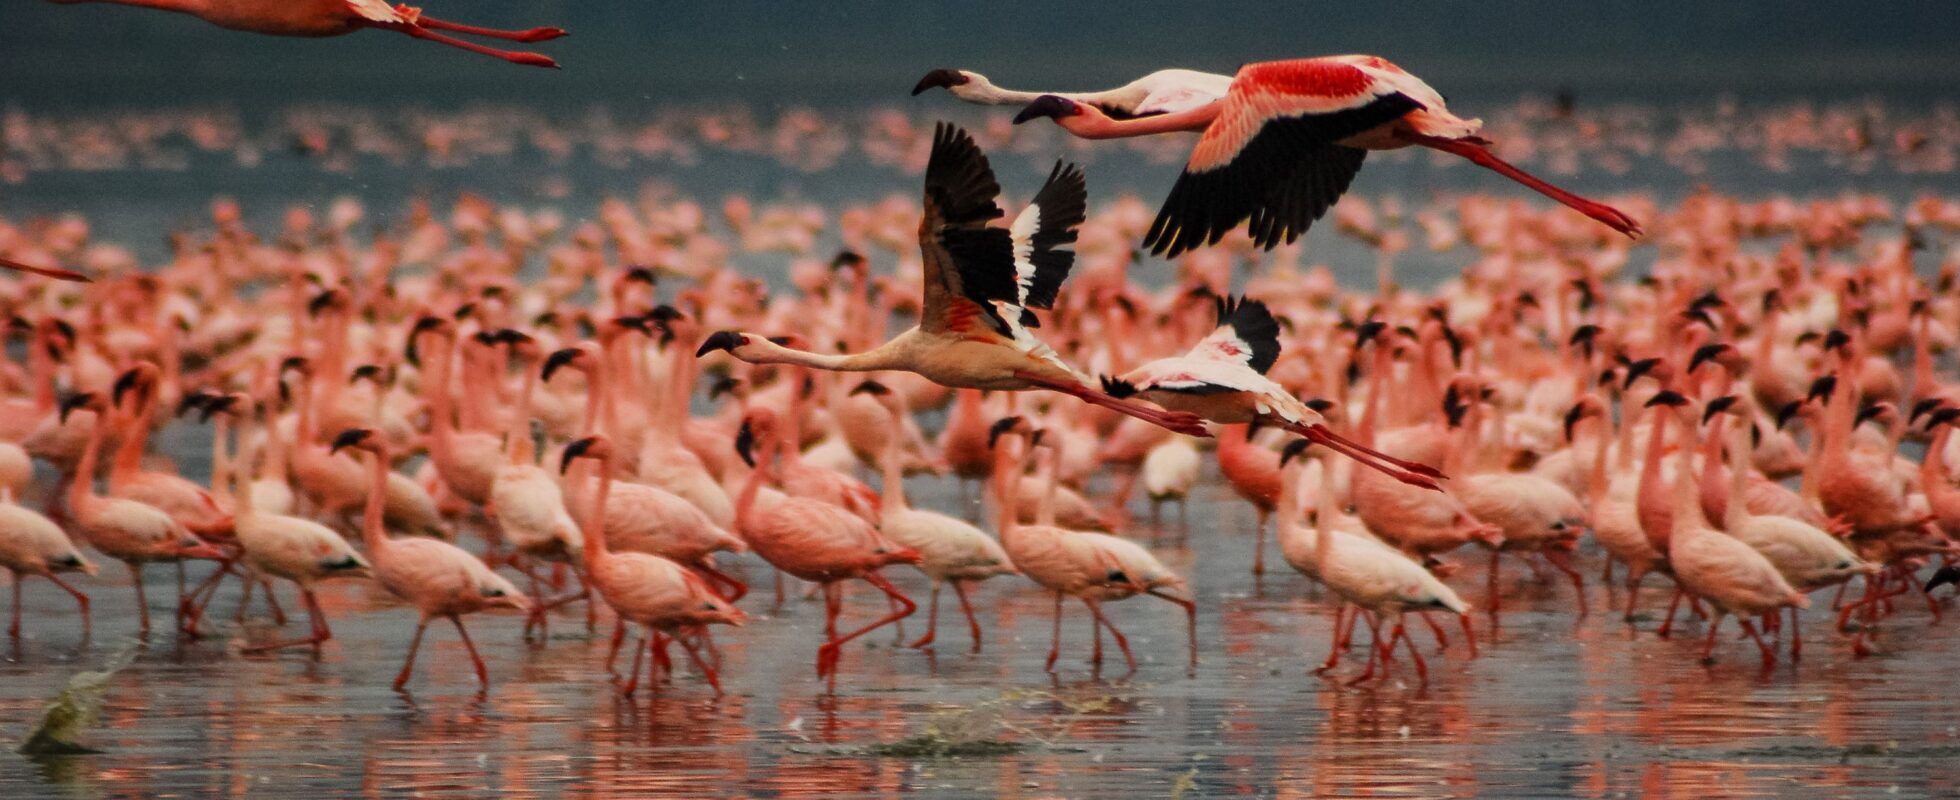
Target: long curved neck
<point>1932,469</point>
<point>595,395</point>
<point>518,436</point>
<point>595,519</point>
<point>436,394</point>
<point>1687,505</point>
<point>1922,358</point>
<point>752,487</point>
<point>1596,481</point>
<point>40,365</point>
<point>1008,469</point>
<point>1092,123</point>
<point>985,92</point>
<point>1044,512</point>
<point>129,452</point>
<point>1741,457</point>
<point>763,351</point>
<point>1323,522</point>
<point>892,474</point>
<point>81,485</point>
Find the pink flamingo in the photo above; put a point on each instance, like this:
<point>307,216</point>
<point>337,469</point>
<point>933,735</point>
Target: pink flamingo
<point>1283,144</point>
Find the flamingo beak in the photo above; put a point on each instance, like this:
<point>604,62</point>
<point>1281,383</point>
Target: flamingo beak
<point>1047,105</point>
<point>939,79</point>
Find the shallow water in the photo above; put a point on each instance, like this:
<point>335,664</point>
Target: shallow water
<point>1554,706</point>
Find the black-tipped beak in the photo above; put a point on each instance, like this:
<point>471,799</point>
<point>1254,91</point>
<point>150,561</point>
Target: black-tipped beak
<point>663,314</point>
<point>366,372</point>
<point>1822,388</point>
<point>745,444</point>
<point>938,79</point>
<point>1637,369</point>
<point>1000,427</point>
<point>1572,417</point>
<point>1788,411</point>
<point>872,388</point>
<point>561,358</point>
<point>217,404</point>
<point>1047,105</point>
<point>73,402</point>
<point>1921,408</point>
<point>575,451</point>
<point>1320,405</point>
<point>124,383</point>
<point>1704,354</point>
<point>846,258</point>
<point>1292,450</point>
<point>720,340</point>
<point>1836,339</point>
<point>1717,406</point>
<point>1944,416</point>
<point>349,438</point>
<point>642,275</point>
<point>1667,397</point>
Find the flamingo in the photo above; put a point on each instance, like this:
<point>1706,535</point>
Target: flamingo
<point>1361,569</point>
<point>1162,92</point>
<point>815,541</point>
<point>31,544</point>
<point>126,530</point>
<point>950,550</point>
<point>1285,141</point>
<point>294,548</point>
<point>1092,567</point>
<point>1223,379</point>
<point>322,18</point>
<point>530,507</point>
<point>981,283</point>
<point>438,578</point>
<point>659,594</point>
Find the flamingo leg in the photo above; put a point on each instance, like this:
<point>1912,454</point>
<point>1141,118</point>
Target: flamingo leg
<point>527,36</point>
<point>1422,667</point>
<point>1708,644</point>
<point>832,604</point>
<point>1374,650</point>
<point>932,619</point>
<point>80,600</point>
<point>1443,640</point>
<point>708,672</point>
<point>142,602</point>
<point>1769,653</point>
<point>244,600</point>
<point>1635,576</point>
<point>1562,561</point>
<point>46,272</point>
<point>1343,627</point>
<point>272,602</point>
<point>1469,633</point>
<point>1122,642</point>
<point>482,673</point>
<point>905,609</point>
<point>1176,421</point>
<point>966,607</point>
<point>1410,472</point>
<point>13,628</point>
<point>618,638</point>
<point>640,649</point>
<point>1480,155</point>
<point>317,624</point>
<point>1674,605</point>
<point>1492,588</point>
<point>1055,643</point>
<point>414,645</point>
<point>526,59</point>
<point>1259,543</point>
<point>736,589</point>
<point>1796,634</point>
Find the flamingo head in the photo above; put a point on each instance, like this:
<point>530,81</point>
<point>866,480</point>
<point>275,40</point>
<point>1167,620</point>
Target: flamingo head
<point>89,400</point>
<point>948,79</point>
<point>357,438</point>
<point>580,357</point>
<point>1725,403</point>
<point>595,447</point>
<point>1048,106</point>
<point>1002,427</point>
<point>142,377</point>
<point>233,404</point>
<point>424,325</point>
<point>722,340</point>
<point>758,424</point>
<point>1293,450</point>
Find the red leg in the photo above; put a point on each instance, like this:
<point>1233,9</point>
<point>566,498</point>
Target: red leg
<point>526,59</point>
<point>142,602</point>
<point>81,600</point>
<point>1409,472</point>
<point>1422,668</point>
<point>708,672</point>
<point>1796,634</point>
<point>1562,561</point>
<point>1343,626</point>
<point>1634,578</point>
<point>1769,653</point>
<point>1708,644</point>
<point>832,605</point>
<point>1469,633</point>
<point>932,619</point>
<point>736,589</point>
<point>414,644</point>
<point>1122,642</point>
<point>527,36</point>
<point>1259,543</point>
<point>633,675</point>
<point>482,673</point>
<point>271,601</point>
<point>1178,421</point>
<point>1479,155</point>
<point>317,622</point>
<point>1055,643</point>
<point>905,609</point>
<point>46,272</point>
<point>1493,584</point>
<point>1674,605</point>
<point>1442,639</point>
<point>618,638</point>
<point>1374,650</point>
<point>966,607</point>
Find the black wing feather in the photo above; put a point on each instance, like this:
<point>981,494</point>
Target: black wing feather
<point>1285,177</point>
<point>1253,323</point>
<point>961,189</point>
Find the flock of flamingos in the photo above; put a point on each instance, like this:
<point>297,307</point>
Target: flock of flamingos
<point>1740,422</point>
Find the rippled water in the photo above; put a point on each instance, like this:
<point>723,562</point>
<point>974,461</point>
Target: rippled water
<point>1554,706</point>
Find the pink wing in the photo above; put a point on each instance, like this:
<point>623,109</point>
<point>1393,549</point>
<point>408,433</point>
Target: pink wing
<point>1272,153</point>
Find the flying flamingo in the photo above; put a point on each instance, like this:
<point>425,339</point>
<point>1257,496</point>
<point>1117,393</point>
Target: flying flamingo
<point>321,18</point>
<point>662,596</point>
<point>975,331</point>
<point>1162,92</point>
<point>1286,140</point>
<point>814,540</point>
<point>951,550</point>
<point>1223,379</point>
<point>438,578</point>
